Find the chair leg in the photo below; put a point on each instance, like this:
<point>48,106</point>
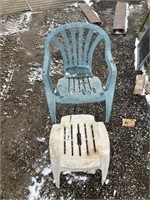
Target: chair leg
<point>108,109</point>
<point>56,171</point>
<point>52,110</point>
<point>104,167</point>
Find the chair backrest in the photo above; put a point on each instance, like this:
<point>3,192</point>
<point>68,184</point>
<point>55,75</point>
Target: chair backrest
<point>77,42</point>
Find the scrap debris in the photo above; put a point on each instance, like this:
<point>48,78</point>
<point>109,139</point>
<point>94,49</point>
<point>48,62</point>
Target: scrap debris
<point>139,84</point>
<point>129,122</point>
<point>90,14</point>
<point>120,20</point>
<point>147,88</point>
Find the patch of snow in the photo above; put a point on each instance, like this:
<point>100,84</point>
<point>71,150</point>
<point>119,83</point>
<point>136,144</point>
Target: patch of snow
<point>47,170</point>
<point>2,42</point>
<point>147,96</point>
<point>107,181</point>
<point>56,67</point>
<point>136,56</point>
<point>146,78</point>
<point>45,154</point>
<point>30,90</point>
<point>35,189</point>
<point>35,75</point>
<point>70,181</point>
<point>42,139</point>
<point>51,23</point>
<point>6,86</point>
<point>114,193</point>
<point>66,172</point>
<point>88,2</point>
<point>25,95</point>
<point>80,178</point>
<point>77,178</point>
<point>135,8</point>
<point>12,26</point>
<point>42,169</point>
<point>75,5</point>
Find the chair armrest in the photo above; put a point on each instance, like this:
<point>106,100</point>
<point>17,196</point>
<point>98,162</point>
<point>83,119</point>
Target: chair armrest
<point>111,81</point>
<point>46,76</point>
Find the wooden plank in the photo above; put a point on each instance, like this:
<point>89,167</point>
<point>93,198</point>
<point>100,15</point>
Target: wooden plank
<point>129,122</point>
<point>12,6</point>
<point>90,14</point>
<point>40,3</point>
<point>29,5</point>
<point>139,84</point>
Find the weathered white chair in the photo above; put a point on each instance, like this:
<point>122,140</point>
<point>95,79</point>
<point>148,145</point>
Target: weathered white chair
<point>79,143</point>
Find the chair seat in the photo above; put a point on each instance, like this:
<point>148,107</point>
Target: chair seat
<point>79,90</point>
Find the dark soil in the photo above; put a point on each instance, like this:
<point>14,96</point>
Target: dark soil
<point>26,124</point>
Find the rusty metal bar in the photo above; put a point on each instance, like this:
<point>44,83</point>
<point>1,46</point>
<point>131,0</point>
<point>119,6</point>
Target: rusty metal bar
<point>90,14</point>
<point>120,20</point>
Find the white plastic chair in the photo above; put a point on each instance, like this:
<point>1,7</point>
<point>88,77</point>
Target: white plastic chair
<point>79,143</point>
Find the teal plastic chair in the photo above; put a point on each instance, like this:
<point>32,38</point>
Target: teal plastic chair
<point>77,42</point>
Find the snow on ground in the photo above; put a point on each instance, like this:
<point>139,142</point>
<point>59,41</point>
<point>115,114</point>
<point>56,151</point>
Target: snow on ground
<point>88,2</point>
<point>11,26</point>
<point>35,189</point>
<point>7,27</point>
<point>35,74</point>
<point>134,8</point>
<point>41,139</point>
<point>43,169</point>
<point>148,98</point>
<point>6,86</point>
<point>136,53</point>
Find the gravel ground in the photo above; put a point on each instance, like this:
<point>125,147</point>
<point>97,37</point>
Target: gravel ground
<point>25,165</point>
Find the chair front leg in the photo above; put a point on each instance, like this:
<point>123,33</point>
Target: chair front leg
<point>52,109</point>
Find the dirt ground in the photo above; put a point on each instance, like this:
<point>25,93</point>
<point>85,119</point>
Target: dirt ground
<point>25,164</point>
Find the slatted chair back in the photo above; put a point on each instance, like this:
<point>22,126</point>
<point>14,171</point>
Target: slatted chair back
<point>77,43</point>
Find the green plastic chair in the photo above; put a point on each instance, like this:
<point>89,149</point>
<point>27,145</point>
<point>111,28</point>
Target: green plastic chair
<point>78,85</point>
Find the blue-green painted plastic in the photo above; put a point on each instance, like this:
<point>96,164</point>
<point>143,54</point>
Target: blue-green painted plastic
<point>76,42</point>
